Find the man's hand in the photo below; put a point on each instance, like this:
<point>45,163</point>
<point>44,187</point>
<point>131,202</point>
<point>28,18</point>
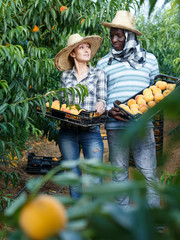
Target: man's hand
<point>100,108</point>
<point>116,114</point>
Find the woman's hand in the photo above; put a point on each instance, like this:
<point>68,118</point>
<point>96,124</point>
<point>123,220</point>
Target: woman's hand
<point>100,108</point>
<point>116,114</point>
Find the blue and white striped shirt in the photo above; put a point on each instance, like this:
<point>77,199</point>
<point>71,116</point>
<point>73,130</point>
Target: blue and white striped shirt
<point>124,81</point>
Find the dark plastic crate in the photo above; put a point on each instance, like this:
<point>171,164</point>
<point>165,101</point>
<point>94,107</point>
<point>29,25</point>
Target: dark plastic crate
<point>84,119</point>
<point>161,77</point>
<point>41,164</point>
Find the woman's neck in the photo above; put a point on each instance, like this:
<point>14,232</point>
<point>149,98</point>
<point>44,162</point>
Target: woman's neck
<point>81,70</point>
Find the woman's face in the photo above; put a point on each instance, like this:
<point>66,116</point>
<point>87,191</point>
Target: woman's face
<point>82,53</point>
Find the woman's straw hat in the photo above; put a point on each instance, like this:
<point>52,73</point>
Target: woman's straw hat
<point>64,62</point>
<point>124,20</point>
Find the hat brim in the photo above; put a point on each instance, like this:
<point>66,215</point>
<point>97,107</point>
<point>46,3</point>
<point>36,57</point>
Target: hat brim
<point>63,61</point>
<point>109,25</point>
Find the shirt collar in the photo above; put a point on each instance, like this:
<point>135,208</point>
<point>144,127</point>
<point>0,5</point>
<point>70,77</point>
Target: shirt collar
<point>91,70</point>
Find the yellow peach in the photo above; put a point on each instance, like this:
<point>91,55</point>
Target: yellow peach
<point>172,87</point>
<point>134,111</point>
<point>147,91</point>
<point>138,97</point>
<point>158,97</point>
<point>166,92</point>
<point>143,108</point>
<point>157,90</point>
<point>152,87</point>
<point>125,107</point>
<point>148,97</point>
<point>168,85</point>
<point>56,105</point>
<point>151,104</point>
<point>134,106</point>
<point>141,101</point>
<point>161,84</point>
<point>131,101</point>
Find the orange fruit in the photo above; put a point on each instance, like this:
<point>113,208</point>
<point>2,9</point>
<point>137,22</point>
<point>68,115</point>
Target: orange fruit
<point>151,104</point>
<point>158,97</point>
<point>131,101</point>
<point>43,217</point>
<point>36,28</point>
<point>63,8</point>
<point>82,20</point>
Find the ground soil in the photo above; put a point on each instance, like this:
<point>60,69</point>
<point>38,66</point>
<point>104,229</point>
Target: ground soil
<point>42,147</point>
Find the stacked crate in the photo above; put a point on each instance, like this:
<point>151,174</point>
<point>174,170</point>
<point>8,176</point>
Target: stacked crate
<point>41,164</point>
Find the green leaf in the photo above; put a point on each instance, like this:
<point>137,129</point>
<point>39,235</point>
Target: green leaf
<point>3,107</point>
<point>15,205</point>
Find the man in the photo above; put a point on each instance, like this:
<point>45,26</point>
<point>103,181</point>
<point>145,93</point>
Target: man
<point>129,69</point>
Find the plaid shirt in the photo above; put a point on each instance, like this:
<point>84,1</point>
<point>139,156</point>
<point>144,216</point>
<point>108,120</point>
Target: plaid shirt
<point>95,81</point>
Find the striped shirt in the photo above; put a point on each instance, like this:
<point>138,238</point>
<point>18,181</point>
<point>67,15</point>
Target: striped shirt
<point>124,81</point>
<point>95,81</point>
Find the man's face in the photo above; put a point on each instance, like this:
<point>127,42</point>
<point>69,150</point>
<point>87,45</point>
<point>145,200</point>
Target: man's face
<point>117,38</point>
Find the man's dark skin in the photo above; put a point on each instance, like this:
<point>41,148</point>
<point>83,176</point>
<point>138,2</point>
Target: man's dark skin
<point>118,41</point>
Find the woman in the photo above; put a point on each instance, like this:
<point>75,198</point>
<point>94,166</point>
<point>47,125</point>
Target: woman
<point>73,60</point>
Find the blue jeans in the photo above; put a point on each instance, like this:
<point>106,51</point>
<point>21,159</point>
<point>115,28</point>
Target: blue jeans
<point>71,141</point>
<point>144,154</point>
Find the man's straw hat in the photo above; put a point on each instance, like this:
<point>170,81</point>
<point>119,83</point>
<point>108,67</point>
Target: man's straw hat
<point>64,62</point>
<point>124,20</point>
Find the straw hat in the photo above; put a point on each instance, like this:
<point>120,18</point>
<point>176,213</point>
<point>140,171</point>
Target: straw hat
<point>124,20</point>
<point>64,62</point>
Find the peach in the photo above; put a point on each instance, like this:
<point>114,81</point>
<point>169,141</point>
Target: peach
<point>134,111</point>
<point>143,108</point>
<point>172,87</point>
<point>125,107</point>
<point>141,101</point>
<point>147,91</point>
<point>138,97</point>
<point>131,101</point>
<point>74,111</point>
<point>152,87</point>
<point>161,84</point>
<point>169,85</point>
<point>157,90</point>
<point>63,106</point>
<point>158,97</point>
<point>56,105</point>
<point>151,104</point>
<point>166,92</point>
<point>134,106</point>
<point>148,97</point>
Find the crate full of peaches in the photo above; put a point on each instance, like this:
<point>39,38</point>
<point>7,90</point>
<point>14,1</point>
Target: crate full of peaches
<point>145,99</point>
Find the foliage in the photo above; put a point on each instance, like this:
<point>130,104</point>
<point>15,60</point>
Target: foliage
<point>8,179</point>
<point>27,72</point>
<point>169,178</point>
<point>100,218</point>
<point>161,36</point>
<point>32,32</point>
